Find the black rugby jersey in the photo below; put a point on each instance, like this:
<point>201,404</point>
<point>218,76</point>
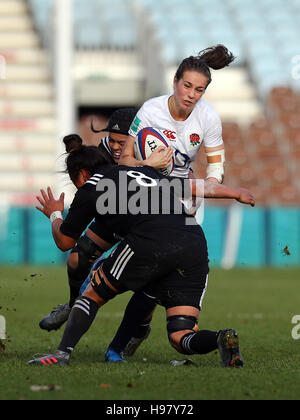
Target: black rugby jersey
<point>128,200</point>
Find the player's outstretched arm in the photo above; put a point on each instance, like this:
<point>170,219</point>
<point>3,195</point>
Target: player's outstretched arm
<point>215,190</point>
<point>53,209</point>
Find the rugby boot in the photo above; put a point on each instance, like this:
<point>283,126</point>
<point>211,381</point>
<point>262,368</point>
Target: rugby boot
<point>56,318</point>
<point>228,345</point>
<point>58,358</point>
<point>113,356</point>
<point>134,343</point>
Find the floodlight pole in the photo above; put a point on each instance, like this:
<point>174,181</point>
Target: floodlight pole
<point>63,69</point>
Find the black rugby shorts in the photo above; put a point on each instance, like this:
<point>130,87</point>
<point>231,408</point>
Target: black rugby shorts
<point>173,269</point>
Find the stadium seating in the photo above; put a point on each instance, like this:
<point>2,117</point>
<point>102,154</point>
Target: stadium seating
<point>28,115</point>
<point>252,30</point>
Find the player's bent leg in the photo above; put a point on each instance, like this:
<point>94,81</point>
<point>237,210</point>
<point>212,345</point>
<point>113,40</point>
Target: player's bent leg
<point>142,333</point>
<point>81,318</point>
<point>186,338</point>
<point>181,320</point>
<point>79,264</point>
<point>60,314</point>
<point>135,326</point>
<point>184,333</point>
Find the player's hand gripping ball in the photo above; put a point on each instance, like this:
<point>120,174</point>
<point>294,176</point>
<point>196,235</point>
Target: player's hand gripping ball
<point>149,140</point>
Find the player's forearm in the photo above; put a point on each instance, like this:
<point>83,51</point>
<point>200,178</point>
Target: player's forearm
<point>212,180</point>
<point>210,189</point>
<point>64,243</point>
<point>128,160</point>
<point>216,190</point>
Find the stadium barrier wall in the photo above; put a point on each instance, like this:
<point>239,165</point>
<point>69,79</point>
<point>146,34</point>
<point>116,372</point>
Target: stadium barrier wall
<point>268,237</point>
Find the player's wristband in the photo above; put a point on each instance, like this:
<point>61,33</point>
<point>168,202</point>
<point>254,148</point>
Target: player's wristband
<point>55,215</point>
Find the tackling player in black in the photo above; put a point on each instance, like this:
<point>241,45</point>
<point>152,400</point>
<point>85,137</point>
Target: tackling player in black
<point>160,254</point>
<point>94,241</point>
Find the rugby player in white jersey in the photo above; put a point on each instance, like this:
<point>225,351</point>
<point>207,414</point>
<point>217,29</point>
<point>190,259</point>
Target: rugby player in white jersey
<point>189,122</point>
<point>186,118</point>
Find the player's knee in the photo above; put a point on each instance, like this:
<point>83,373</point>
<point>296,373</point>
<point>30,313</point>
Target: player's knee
<point>178,326</point>
<point>82,258</point>
<point>102,287</point>
<point>72,261</point>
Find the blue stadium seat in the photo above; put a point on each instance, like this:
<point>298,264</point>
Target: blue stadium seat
<point>171,53</point>
<point>194,46</point>
<point>267,82</point>
<point>121,37</point>
<point>270,64</point>
<point>90,36</point>
<point>279,20</point>
<point>286,35</point>
<point>272,4</point>
<point>253,34</point>
<point>238,6</point>
<point>220,35</point>
<point>289,50</point>
<point>209,6</point>
<point>252,30</point>
<point>294,5</point>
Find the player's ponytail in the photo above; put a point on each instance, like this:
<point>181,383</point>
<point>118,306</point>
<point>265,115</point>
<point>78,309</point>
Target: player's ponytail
<point>216,57</point>
<point>72,142</point>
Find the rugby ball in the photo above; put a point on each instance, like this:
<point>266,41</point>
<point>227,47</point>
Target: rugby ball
<point>148,140</point>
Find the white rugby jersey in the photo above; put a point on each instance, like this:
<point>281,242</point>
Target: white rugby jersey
<point>202,126</point>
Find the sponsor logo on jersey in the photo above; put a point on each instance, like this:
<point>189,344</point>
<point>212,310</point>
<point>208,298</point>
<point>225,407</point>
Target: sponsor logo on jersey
<point>195,139</point>
<point>135,125</point>
<point>170,134</point>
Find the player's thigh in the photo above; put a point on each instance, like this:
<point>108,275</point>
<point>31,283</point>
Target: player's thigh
<point>130,267</point>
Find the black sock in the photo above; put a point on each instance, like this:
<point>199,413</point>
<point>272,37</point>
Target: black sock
<point>76,279</point>
<point>133,324</point>
<point>200,342</point>
<point>141,329</point>
<point>81,318</point>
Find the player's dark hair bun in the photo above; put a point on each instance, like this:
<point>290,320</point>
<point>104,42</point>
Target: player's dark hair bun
<point>72,142</point>
<point>216,57</point>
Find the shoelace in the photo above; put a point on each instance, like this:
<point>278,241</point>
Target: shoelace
<point>59,307</point>
<point>46,359</point>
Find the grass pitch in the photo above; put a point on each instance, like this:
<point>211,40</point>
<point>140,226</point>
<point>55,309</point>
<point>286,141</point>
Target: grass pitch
<point>260,304</point>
